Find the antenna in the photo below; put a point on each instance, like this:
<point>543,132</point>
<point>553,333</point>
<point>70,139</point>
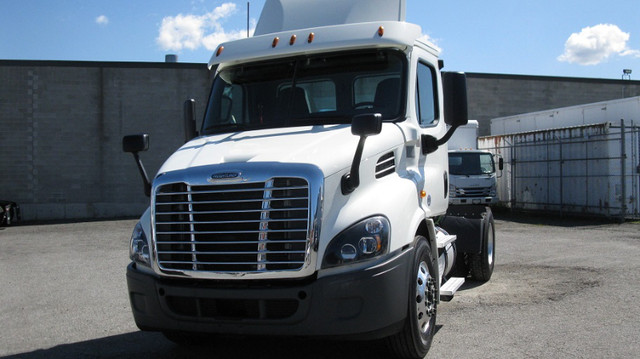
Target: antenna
<point>247,19</point>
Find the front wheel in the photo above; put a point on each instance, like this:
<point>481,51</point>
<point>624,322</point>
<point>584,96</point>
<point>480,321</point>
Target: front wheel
<point>414,340</point>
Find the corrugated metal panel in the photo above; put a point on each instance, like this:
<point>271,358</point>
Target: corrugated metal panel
<point>582,169</point>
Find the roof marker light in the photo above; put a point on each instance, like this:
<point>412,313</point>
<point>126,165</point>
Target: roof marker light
<point>275,41</point>
<point>381,31</point>
<point>292,40</point>
<point>219,51</point>
<point>311,37</point>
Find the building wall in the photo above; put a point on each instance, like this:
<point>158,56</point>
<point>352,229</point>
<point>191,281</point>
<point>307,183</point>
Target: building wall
<point>492,95</point>
<point>61,126</point>
<point>61,132</point>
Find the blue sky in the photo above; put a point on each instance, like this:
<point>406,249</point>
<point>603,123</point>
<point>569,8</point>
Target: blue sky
<point>575,38</point>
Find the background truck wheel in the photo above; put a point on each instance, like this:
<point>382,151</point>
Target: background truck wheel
<point>414,340</point>
<point>481,264</point>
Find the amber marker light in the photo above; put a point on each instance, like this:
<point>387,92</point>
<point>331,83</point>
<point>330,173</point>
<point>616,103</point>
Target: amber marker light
<point>423,194</point>
<point>292,40</point>
<point>381,31</point>
<point>311,37</point>
<point>275,41</point>
<point>219,51</point>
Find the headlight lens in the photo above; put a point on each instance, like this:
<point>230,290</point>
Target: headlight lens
<point>364,240</point>
<point>139,246</point>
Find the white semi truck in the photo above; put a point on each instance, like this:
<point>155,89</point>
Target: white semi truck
<point>472,172</point>
<point>313,199</point>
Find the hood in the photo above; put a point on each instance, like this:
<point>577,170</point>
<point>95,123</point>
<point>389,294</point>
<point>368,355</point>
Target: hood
<point>331,148</point>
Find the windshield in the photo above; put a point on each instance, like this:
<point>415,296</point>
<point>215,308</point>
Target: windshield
<point>311,90</point>
<point>472,163</point>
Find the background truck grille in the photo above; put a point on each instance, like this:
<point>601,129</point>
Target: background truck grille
<point>246,227</point>
<point>473,192</point>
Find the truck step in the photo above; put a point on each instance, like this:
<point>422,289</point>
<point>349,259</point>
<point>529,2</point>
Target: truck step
<point>443,239</point>
<point>450,288</point>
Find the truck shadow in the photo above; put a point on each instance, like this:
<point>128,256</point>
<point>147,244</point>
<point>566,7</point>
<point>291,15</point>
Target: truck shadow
<point>153,345</point>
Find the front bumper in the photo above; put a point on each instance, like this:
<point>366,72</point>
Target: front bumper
<point>369,302</point>
<point>473,200</point>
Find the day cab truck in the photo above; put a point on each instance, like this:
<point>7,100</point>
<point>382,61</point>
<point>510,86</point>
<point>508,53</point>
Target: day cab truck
<point>472,172</point>
<point>312,200</point>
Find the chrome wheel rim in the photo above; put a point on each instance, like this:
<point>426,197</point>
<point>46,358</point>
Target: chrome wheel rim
<point>425,298</point>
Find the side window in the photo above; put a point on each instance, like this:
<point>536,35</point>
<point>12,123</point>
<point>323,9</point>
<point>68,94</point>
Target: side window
<point>426,101</point>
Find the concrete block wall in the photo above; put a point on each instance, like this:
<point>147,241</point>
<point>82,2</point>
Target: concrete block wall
<point>61,128</point>
<point>494,95</point>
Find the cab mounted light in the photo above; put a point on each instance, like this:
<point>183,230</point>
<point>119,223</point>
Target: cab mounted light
<point>219,50</point>
<point>311,37</point>
<point>275,41</point>
<point>292,40</point>
<point>381,31</point>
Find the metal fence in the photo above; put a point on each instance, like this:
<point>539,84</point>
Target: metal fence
<point>591,169</point>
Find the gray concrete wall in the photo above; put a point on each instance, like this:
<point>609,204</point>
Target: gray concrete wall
<point>61,132</point>
<point>492,95</point>
<point>61,126</point>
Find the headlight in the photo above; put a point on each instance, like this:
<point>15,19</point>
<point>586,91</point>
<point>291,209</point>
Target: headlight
<point>364,240</point>
<point>452,190</point>
<point>139,246</point>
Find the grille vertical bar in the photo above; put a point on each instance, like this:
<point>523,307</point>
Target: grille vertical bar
<point>232,228</point>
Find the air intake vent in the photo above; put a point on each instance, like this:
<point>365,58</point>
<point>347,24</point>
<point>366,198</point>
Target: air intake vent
<point>386,165</point>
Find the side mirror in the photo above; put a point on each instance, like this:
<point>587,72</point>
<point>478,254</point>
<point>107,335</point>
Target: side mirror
<point>190,120</point>
<point>454,88</point>
<point>364,125</point>
<point>500,164</point>
<point>135,144</point>
<point>367,124</point>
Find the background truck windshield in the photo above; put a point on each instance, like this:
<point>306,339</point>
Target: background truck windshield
<point>472,163</point>
<point>312,90</point>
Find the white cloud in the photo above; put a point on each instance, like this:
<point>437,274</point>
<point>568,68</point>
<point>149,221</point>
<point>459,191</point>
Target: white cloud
<point>595,44</point>
<point>102,20</point>
<point>429,40</point>
<point>193,31</point>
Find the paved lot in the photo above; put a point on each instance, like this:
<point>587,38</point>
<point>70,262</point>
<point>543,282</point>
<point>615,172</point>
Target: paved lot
<point>568,289</point>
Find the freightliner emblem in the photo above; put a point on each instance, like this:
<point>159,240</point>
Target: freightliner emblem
<point>226,177</point>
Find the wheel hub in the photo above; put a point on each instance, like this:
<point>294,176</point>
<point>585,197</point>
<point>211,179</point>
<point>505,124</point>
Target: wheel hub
<point>425,297</point>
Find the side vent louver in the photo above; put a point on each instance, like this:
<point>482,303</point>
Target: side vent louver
<point>386,165</point>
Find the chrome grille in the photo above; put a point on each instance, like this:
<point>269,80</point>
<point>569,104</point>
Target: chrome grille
<point>232,228</point>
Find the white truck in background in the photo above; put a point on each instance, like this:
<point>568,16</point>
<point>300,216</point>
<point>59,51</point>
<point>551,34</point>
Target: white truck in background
<point>313,199</point>
<point>472,172</point>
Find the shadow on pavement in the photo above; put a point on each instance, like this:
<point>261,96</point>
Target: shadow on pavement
<point>153,345</point>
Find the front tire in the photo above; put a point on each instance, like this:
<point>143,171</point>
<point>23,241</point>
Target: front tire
<point>414,340</point>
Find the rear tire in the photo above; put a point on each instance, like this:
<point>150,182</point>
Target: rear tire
<point>414,340</point>
<point>482,264</point>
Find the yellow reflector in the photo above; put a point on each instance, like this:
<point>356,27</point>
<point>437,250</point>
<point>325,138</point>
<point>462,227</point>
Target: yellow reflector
<point>423,194</point>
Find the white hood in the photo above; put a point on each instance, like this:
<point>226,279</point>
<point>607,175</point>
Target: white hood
<point>331,148</point>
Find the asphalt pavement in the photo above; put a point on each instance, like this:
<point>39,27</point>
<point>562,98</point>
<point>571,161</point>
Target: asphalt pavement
<point>562,288</point>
